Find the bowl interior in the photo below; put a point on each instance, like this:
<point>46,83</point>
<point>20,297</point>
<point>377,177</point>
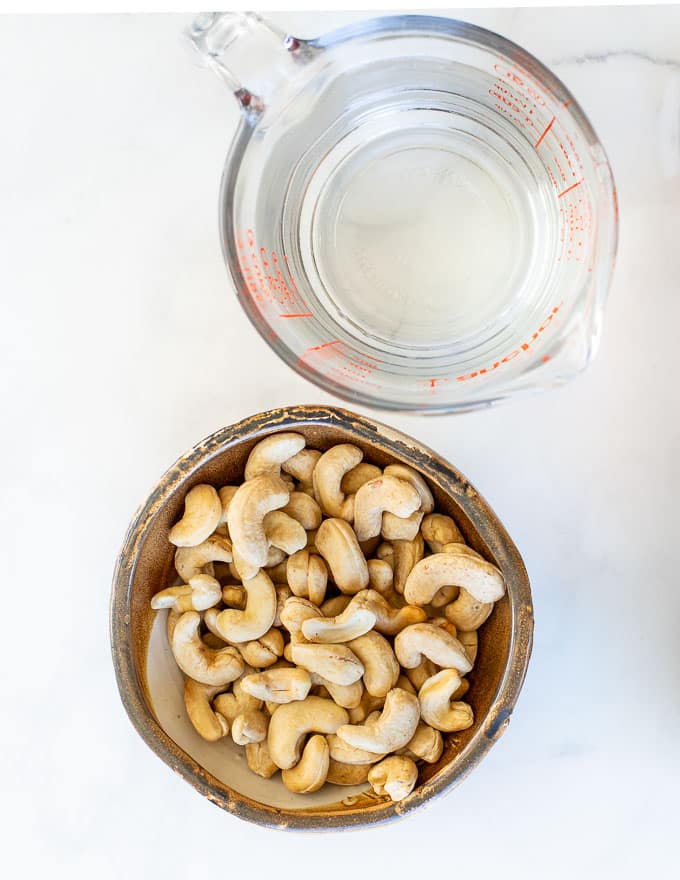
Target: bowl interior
<point>221,766</point>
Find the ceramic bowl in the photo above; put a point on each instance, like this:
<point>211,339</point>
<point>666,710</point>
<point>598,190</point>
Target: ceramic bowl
<point>151,685</point>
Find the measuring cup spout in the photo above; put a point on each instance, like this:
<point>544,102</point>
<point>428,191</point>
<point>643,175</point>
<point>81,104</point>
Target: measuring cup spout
<point>251,55</point>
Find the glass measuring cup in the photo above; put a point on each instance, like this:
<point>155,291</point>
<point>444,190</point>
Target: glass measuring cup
<point>415,212</point>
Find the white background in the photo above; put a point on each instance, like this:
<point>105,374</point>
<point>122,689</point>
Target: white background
<point>123,345</point>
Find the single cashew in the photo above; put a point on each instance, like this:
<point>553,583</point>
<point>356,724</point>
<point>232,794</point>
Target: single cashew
<point>393,729</point>
<point>310,773</point>
<point>249,506</point>
<point>468,613</point>
<point>190,561</point>
<point>349,624</point>
<point>336,605</point>
<point>259,760</point>
<point>302,464</point>
<point>396,776</point>
<point>337,543</point>
<point>459,569</point>
<point>238,702</point>
<point>293,721</point>
<point>376,497</point>
<point>338,663</point>
<point>234,596</point>
<point>346,695</point>
<point>347,774</point>
<point>438,530</point>
<point>197,660</point>
<point>341,751</point>
<point>388,620</point>
<point>381,669</point>
<point>200,593</point>
<point>355,478</point>
<point>435,705</point>
<point>284,532</point>
<point>267,456</point>
<point>327,479</point>
<point>264,651</point>
<point>307,576</point>
<point>244,571</point>
<point>304,510</point>
<point>258,616</point>
<point>420,673</point>
<point>202,512</point>
<point>397,528</point>
<point>469,640</point>
<point>282,685</point>
<point>380,576</point>
<point>410,475</point>
<point>427,745</point>
<point>406,554</point>
<point>296,610</point>
<point>249,727</point>
<point>207,723</point>
<point>226,494</point>
<point>431,641</point>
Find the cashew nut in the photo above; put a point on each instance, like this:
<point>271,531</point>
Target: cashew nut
<point>342,751</point>
<point>305,510</point>
<point>420,673</point>
<point>410,475</point>
<point>267,456</point>
<point>307,576</point>
<point>259,760</point>
<point>258,616</point>
<point>338,663</point>
<point>264,651</point>
<point>459,569</point>
<point>380,576</point>
<point>336,605</point>
<point>198,661</point>
<point>327,479</point>
<point>310,773</point>
<point>397,528</point>
<point>438,530</point>
<point>294,612</point>
<point>293,721</point>
<point>302,464</point>
<point>236,703</point>
<point>207,723</point>
<point>431,641</point>
<point>388,620</point>
<point>376,497</point>
<point>444,596</point>
<point>249,506</point>
<point>337,543</point>
<point>405,556</point>
<point>468,613</point>
<point>200,593</point>
<point>396,776</point>
<point>355,478</point>
<point>393,729</point>
<point>282,685</point>
<point>469,640</point>
<point>427,745</point>
<point>284,532</point>
<point>226,494</point>
<point>190,561</point>
<point>234,597</point>
<point>202,512</point>
<point>346,695</point>
<point>435,707</point>
<point>381,669</point>
<point>349,624</point>
<point>249,727</point>
<point>347,774</point>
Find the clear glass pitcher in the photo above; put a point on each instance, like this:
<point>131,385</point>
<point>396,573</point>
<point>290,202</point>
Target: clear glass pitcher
<point>416,214</point>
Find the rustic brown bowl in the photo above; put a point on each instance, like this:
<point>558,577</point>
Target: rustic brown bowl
<point>151,686</point>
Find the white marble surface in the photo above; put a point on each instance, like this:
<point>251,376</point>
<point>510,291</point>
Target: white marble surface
<point>123,345</point>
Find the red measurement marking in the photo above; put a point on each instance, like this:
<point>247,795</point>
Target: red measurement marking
<point>567,103</point>
<point>569,188</point>
<point>298,315</point>
<point>324,345</point>
<point>545,132</point>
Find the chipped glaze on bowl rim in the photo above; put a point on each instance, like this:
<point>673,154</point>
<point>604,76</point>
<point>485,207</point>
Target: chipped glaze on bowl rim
<point>441,473</point>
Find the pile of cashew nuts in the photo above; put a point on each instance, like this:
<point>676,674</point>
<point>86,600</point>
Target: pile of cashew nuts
<point>327,617</point>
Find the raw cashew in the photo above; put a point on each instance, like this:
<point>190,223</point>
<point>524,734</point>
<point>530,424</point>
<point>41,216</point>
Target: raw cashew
<point>336,605</point>
<point>208,723</point>
<point>190,561</point>
<point>381,669</point>
<point>444,596</point>
<point>358,475</point>
<point>438,530</point>
<point>294,612</point>
<point>376,497</point>
<point>431,641</point>
<point>234,597</point>
<point>468,613</point>
<point>347,774</point>
<point>202,512</point>
<point>342,751</point>
<point>380,576</point>
<point>435,707</point>
<point>398,528</point>
<point>396,776</point>
<point>337,543</point>
<point>259,760</point>
<point>293,721</point>
<point>200,593</point>
<point>302,464</point>
<point>267,456</point>
<point>405,556</point>
<point>264,651</point>
<point>410,475</point>
<point>249,727</point>
<point>469,641</point>
<point>282,685</point>
<point>459,569</point>
<point>389,621</point>
<point>258,616</point>
<point>226,494</point>
<point>249,506</point>
<point>327,479</point>
<point>349,624</point>
<point>195,659</point>
<point>238,702</point>
<point>284,532</point>
<point>346,695</point>
<point>427,744</point>
<point>307,576</point>
<point>393,729</point>
<point>310,773</point>
<point>305,510</point>
<point>338,663</point>
<point>420,673</point>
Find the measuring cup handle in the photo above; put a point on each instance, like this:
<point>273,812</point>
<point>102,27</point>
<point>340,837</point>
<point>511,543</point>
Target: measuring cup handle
<point>250,54</point>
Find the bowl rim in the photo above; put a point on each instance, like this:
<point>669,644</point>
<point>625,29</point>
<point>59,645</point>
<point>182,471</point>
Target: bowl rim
<point>440,472</point>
